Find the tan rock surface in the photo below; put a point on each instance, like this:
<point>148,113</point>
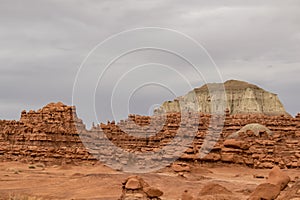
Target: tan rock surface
<point>242,98</point>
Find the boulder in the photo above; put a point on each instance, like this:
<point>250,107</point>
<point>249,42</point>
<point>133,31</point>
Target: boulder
<point>135,188</point>
<point>278,177</point>
<point>153,192</point>
<point>265,191</point>
<point>133,184</point>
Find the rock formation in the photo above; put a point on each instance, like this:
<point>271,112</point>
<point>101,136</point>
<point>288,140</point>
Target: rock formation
<point>135,188</point>
<point>237,97</point>
<point>259,138</point>
<point>49,135</point>
<point>270,190</point>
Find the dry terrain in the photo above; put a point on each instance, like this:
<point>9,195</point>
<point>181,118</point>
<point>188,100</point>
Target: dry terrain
<point>36,181</point>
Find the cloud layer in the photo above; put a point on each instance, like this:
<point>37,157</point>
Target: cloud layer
<point>43,44</point>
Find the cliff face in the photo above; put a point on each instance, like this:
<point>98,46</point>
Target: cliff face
<point>239,98</point>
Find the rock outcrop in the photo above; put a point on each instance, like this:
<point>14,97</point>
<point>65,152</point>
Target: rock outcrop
<point>48,135</point>
<point>51,135</point>
<point>237,97</point>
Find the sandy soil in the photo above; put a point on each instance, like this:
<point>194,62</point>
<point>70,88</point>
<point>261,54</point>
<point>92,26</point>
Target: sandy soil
<point>25,181</point>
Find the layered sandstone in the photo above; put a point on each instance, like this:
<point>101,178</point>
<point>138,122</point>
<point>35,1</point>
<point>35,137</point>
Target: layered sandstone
<point>53,134</point>
<point>237,97</point>
<point>47,135</point>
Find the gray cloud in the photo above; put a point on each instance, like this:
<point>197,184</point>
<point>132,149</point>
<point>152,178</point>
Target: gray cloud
<point>44,42</point>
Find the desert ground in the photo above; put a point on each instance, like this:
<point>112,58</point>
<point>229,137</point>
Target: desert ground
<point>37,181</point>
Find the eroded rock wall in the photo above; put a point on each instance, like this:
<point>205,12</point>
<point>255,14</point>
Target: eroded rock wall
<point>50,135</point>
<point>47,135</point>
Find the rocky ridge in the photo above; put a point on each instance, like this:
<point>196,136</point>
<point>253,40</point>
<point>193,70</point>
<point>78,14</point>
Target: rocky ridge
<point>54,134</point>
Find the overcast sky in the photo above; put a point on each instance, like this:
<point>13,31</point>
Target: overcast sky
<point>43,43</point>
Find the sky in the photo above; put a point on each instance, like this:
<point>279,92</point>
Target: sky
<point>57,50</point>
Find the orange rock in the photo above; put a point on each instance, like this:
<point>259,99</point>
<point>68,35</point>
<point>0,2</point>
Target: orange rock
<point>278,177</point>
<point>153,192</point>
<point>235,144</point>
<point>133,184</point>
<point>265,191</point>
<point>181,168</point>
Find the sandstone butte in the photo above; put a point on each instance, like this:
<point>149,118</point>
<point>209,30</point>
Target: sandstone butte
<point>265,135</point>
<point>237,97</point>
